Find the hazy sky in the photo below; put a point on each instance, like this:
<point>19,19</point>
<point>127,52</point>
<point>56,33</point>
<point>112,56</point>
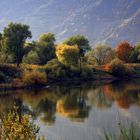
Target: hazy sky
<point>100,20</point>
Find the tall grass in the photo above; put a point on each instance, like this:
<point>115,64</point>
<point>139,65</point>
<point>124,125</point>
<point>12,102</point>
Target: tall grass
<point>125,133</point>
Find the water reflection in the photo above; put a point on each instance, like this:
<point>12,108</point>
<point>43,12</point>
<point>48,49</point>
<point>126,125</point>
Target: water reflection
<point>73,105</point>
<point>72,102</point>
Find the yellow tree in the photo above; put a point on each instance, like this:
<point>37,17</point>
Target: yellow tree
<point>66,54</point>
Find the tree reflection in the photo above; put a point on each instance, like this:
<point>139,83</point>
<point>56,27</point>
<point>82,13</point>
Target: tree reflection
<point>73,102</point>
<point>73,106</point>
<point>124,93</point>
<point>97,98</point>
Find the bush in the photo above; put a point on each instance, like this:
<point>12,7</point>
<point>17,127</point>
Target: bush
<point>34,78</point>
<point>117,68</point>
<point>129,71</point>
<point>15,129</point>
<point>10,70</point>
<point>52,65</point>
<point>2,77</point>
<point>87,73</point>
<point>56,70</point>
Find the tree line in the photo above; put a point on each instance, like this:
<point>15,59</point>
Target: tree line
<point>14,48</point>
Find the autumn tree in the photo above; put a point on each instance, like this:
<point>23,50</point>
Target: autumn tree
<point>67,55</point>
<point>15,35</point>
<point>103,54</point>
<point>123,51</point>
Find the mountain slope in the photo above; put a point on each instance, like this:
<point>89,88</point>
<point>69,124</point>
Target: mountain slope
<point>100,20</point>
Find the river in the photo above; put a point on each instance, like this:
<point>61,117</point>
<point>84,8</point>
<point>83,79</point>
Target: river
<point>78,111</point>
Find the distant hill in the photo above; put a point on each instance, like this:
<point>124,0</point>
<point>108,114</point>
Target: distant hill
<point>100,20</point>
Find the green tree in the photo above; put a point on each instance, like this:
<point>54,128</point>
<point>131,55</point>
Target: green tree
<point>15,35</point>
<point>28,46</point>
<point>45,47</point>
<point>46,51</point>
<point>47,37</point>
<point>4,56</point>
<point>31,58</point>
<point>135,54</point>
<point>0,40</point>
<point>82,43</point>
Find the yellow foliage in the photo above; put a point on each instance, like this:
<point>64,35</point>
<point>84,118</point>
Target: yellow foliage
<point>30,66</point>
<point>67,54</point>
<point>34,77</point>
<point>16,127</point>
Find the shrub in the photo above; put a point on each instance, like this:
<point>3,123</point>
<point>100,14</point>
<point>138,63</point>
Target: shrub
<point>10,70</point>
<point>117,68</point>
<point>60,72</point>
<point>34,78</point>
<point>129,71</point>
<point>52,64</point>
<point>15,129</point>
<point>2,77</point>
<point>87,72</point>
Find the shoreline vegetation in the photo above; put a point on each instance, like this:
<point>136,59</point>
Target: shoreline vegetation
<point>36,64</point>
<point>36,81</point>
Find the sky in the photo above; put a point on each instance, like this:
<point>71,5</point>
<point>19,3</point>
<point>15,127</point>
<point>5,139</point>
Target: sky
<point>108,21</point>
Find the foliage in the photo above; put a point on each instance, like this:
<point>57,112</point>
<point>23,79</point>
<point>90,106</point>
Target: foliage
<point>66,54</point>
<point>18,127</point>
<point>5,57</point>
<point>31,58</point>
<point>89,59</point>
<point>117,68</point>
<point>56,70</point>
<point>15,35</point>
<point>10,70</point>
<point>47,37</point>
<point>125,133</point>
<point>123,51</point>
<point>34,78</point>
<point>129,71</point>
<point>28,46</point>
<point>40,52</point>
<point>135,54</point>
<point>2,77</point>
<point>103,54</point>
<point>45,51</point>
<point>81,41</point>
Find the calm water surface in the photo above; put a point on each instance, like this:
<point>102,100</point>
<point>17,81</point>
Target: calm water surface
<point>78,112</point>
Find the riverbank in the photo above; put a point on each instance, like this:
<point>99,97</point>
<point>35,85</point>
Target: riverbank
<point>17,86</point>
<point>35,77</point>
